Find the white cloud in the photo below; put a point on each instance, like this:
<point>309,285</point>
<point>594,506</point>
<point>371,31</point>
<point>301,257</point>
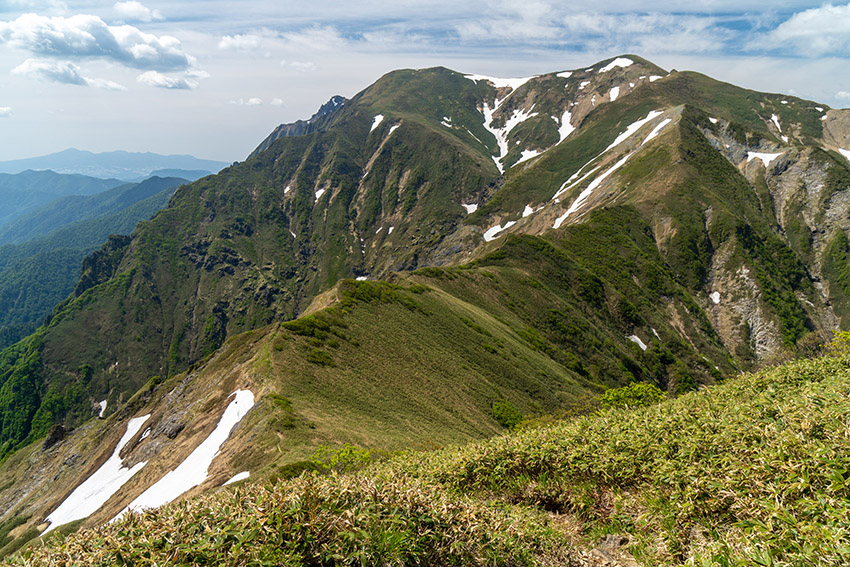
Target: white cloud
<point>812,32</point>
<point>87,36</point>
<point>136,11</point>
<point>254,101</point>
<point>240,42</point>
<point>303,66</point>
<point>325,38</point>
<point>842,95</point>
<point>187,82</point>
<point>5,111</point>
<point>62,72</point>
<point>277,102</point>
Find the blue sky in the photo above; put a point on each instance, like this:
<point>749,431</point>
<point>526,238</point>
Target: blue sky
<point>212,78</point>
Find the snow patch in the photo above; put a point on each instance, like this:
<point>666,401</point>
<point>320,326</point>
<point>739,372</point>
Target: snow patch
<point>527,155</point>
<point>615,92</point>
<point>823,117</point>
<point>527,211</point>
<point>241,476</point>
<point>293,234</point>
<point>446,124</point>
<point>764,157</point>
<point>784,139</point>
<point>784,102</point>
<point>775,120</point>
<point>715,297</point>
<point>471,208</point>
<point>618,62</point>
<point>514,84</point>
<point>361,278</point>
<point>101,485</point>
<point>583,84</point>
<point>636,339</point>
<point>566,128</point>
<point>375,121</point>
<point>845,153</point>
<point>713,120</point>
<point>287,189</point>
<point>195,468</point>
<point>657,130</point>
<point>390,231</point>
<point>653,78</point>
<point>494,231</point>
<point>380,228</point>
<point>102,405</point>
<point>501,134</point>
<point>654,332</point>
<point>634,127</point>
<point>588,191</point>
<point>393,129</point>
<point>145,434</point>
<point>565,74</point>
<point>319,194</point>
<point>819,108</point>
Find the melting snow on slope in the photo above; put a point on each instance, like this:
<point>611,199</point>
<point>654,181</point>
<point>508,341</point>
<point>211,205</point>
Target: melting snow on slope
<point>615,92</point>
<point>527,211</point>
<point>618,62</point>
<point>375,121</point>
<point>657,130</point>
<point>565,74</point>
<point>570,183</point>
<point>775,120</point>
<point>514,83</point>
<point>713,120</point>
<point>653,78</point>
<point>194,470</point>
<point>583,84</point>
<point>319,194</point>
<point>845,153</point>
<point>634,127</point>
<point>287,189</point>
<point>101,485</point>
<point>470,208</point>
<point>501,134</point>
<point>293,234</point>
<point>715,297</point>
<point>393,129</point>
<point>102,405</point>
<point>636,339</point>
<point>764,157</point>
<point>566,128</point>
<point>526,155</point>
<point>390,231</point>
<point>587,192</point>
<point>493,232</point>
<point>361,278</point>
<point>241,476</point>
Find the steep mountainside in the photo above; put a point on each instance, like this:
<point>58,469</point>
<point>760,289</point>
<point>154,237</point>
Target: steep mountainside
<point>44,267</point>
<point>540,240</point>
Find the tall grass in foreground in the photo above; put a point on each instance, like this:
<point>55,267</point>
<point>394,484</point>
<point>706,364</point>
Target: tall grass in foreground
<point>755,471</point>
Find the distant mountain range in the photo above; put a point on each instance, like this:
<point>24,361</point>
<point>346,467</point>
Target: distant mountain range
<point>127,166</point>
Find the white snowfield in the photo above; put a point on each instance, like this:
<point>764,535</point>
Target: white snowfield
<point>566,128</point>
<point>376,121</point>
<point>527,211</point>
<point>101,485</point>
<point>501,134</point>
<point>618,62</point>
<point>102,405</point>
<point>715,297</point>
<point>244,474</point>
<point>393,129</point>
<point>527,155</point>
<point>657,130</point>
<point>713,120</point>
<point>775,120</point>
<point>636,339</point>
<point>583,196</point>
<point>766,158</point>
<point>319,194</point>
<point>845,153</point>
<point>471,208</point>
<point>494,231</point>
<point>195,468</point>
<point>514,83</point>
<point>653,78</point>
<point>565,74</point>
<point>632,128</point>
<point>615,92</point>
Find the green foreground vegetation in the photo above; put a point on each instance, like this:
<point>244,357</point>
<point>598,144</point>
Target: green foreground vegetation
<point>755,471</point>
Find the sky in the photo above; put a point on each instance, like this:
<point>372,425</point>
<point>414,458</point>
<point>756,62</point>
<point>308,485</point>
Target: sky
<point>212,78</point>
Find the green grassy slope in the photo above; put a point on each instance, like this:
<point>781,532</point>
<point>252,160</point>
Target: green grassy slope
<point>751,472</point>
